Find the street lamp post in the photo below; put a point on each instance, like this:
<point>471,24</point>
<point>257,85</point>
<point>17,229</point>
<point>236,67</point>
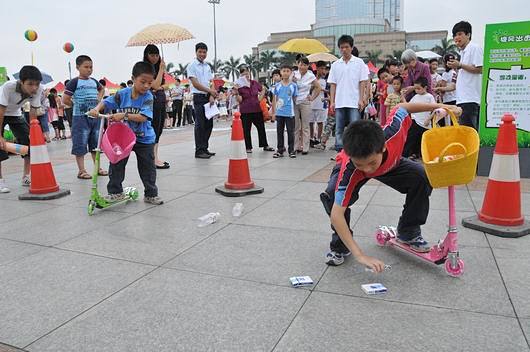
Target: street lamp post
<point>214,2</point>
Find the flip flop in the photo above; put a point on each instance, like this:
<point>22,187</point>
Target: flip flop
<point>83,175</point>
<point>165,166</point>
<point>102,172</point>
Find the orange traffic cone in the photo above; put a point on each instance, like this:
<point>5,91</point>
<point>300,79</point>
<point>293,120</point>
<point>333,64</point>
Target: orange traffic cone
<point>43,185</point>
<point>239,182</point>
<point>501,210</point>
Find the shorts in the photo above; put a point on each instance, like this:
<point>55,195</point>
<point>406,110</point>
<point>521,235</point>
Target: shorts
<point>59,124</point>
<point>85,132</point>
<point>318,115</point>
<point>20,128</point>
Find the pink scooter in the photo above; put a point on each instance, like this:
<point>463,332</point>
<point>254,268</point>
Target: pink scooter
<point>445,251</point>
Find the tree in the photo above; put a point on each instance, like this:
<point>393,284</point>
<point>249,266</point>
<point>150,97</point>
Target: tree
<point>374,56</point>
<point>252,63</point>
<point>396,54</point>
<point>446,46</point>
<point>288,58</point>
<point>267,59</point>
<point>169,67</point>
<point>181,71</point>
<point>231,68</point>
<point>219,64</point>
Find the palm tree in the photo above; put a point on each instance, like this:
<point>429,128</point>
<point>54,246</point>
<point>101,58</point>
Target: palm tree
<point>446,45</point>
<point>374,56</point>
<point>181,71</point>
<point>267,59</point>
<point>288,58</point>
<point>396,54</point>
<point>252,63</point>
<point>231,68</point>
<point>219,64</point>
<point>169,67</point>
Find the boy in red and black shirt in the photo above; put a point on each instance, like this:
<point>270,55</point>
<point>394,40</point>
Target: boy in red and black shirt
<point>373,152</point>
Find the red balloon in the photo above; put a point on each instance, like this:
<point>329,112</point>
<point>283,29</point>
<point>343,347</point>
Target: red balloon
<point>68,47</point>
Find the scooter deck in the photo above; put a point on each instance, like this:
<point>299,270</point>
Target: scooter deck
<point>434,255</point>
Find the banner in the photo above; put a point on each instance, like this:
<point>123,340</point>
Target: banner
<point>506,80</point>
<point>3,75</point>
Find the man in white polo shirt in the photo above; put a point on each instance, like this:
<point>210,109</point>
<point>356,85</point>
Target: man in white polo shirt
<point>201,78</point>
<point>12,96</point>
<point>347,78</point>
<point>469,81</point>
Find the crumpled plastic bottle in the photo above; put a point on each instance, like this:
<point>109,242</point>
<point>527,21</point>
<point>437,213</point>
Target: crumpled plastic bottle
<point>208,219</point>
<point>237,210</point>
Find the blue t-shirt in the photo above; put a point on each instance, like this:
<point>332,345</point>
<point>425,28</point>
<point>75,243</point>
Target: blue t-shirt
<point>122,101</point>
<point>84,92</point>
<point>284,98</point>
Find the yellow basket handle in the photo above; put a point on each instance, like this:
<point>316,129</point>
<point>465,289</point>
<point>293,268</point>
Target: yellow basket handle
<point>454,119</point>
<point>449,146</point>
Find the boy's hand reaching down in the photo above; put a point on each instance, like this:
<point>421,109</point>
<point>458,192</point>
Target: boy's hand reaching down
<point>375,264</point>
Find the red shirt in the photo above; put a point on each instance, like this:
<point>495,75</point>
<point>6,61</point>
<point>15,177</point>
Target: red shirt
<point>395,135</point>
<point>249,95</point>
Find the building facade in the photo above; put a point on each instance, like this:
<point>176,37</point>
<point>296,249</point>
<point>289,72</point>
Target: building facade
<point>337,17</point>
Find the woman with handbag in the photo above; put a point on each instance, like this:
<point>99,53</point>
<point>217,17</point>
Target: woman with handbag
<point>249,94</point>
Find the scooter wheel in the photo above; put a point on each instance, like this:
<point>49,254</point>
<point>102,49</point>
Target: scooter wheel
<point>91,207</point>
<point>456,271</point>
<point>134,194</point>
<point>381,238</point>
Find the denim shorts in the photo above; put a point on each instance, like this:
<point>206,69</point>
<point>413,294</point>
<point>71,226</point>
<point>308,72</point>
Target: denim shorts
<point>43,121</point>
<point>84,134</point>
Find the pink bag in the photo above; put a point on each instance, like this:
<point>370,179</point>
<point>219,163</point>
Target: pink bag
<point>118,141</point>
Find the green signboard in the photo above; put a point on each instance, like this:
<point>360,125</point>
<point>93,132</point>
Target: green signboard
<point>506,80</point>
<point>3,75</point>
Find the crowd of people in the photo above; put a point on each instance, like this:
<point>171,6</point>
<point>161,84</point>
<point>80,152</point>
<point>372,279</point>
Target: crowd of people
<point>378,124</point>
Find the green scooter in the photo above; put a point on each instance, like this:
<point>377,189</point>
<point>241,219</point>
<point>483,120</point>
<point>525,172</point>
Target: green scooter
<point>97,201</point>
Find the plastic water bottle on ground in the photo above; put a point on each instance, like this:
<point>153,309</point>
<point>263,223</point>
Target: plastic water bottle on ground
<point>237,210</point>
<point>208,219</point>
<point>117,149</point>
<point>387,267</point>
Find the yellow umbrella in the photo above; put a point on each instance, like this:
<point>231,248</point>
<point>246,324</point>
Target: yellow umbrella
<point>303,46</point>
<point>327,57</point>
<point>164,33</point>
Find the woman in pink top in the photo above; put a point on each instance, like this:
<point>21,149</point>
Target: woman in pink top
<point>249,94</point>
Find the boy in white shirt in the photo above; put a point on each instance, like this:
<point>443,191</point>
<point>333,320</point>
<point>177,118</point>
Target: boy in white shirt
<point>422,120</point>
<point>13,95</point>
<point>469,82</point>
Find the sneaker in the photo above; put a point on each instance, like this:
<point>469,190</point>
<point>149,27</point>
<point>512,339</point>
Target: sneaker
<point>292,155</point>
<point>417,244</point>
<point>3,186</point>
<point>26,182</point>
<point>154,200</point>
<point>335,258</point>
<point>112,198</point>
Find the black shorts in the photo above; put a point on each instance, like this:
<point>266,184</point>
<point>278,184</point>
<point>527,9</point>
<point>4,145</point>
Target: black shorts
<point>20,128</point>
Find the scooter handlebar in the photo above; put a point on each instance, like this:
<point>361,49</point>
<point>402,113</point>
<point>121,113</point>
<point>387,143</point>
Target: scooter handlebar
<point>100,116</point>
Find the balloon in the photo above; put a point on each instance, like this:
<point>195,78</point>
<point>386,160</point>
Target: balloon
<point>31,35</point>
<point>68,47</point>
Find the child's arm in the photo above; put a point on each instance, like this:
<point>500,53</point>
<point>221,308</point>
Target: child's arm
<point>422,107</point>
<point>340,225</point>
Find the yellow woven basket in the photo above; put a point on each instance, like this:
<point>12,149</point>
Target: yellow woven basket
<point>450,154</point>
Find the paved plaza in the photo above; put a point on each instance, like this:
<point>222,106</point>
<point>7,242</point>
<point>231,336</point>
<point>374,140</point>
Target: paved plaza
<point>145,278</point>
